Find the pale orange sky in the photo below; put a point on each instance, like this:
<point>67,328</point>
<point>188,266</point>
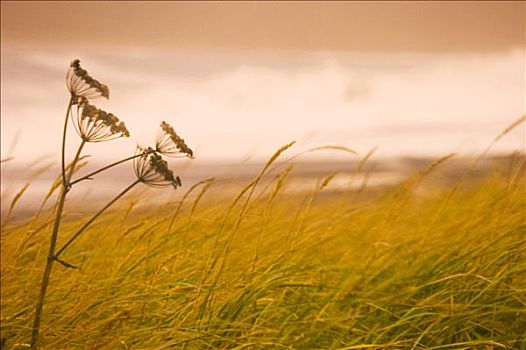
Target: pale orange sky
<point>240,79</point>
<point>357,26</point>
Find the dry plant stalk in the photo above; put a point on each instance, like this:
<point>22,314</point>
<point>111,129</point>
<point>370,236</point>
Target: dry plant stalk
<point>95,125</point>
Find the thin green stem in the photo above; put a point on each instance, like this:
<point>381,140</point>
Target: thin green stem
<point>52,245</point>
<point>93,218</point>
<point>184,198</point>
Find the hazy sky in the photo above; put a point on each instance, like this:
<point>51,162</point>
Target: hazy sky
<point>241,79</point>
<point>357,26</point>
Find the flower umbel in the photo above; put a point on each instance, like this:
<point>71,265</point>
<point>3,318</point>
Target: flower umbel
<point>152,170</point>
<point>170,144</point>
<point>95,125</point>
<point>81,84</point>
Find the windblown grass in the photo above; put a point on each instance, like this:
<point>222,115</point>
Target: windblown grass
<point>266,270</point>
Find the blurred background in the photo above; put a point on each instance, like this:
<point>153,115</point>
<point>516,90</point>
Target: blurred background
<point>238,80</point>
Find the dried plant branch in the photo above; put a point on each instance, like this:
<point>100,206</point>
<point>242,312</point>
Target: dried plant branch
<point>95,125</point>
<point>90,175</point>
<point>93,218</point>
<point>51,252</point>
<point>64,132</point>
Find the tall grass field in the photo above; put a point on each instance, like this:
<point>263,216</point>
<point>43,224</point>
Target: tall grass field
<point>412,266</point>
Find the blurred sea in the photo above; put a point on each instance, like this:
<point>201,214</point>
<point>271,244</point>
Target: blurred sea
<point>304,176</point>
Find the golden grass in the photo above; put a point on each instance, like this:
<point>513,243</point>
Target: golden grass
<point>267,270</point>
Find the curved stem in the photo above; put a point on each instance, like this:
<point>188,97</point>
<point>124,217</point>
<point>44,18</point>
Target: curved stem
<point>93,218</point>
<point>63,163</point>
<point>88,176</point>
<point>52,245</point>
<point>105,168</point>
<point>74,164</point>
